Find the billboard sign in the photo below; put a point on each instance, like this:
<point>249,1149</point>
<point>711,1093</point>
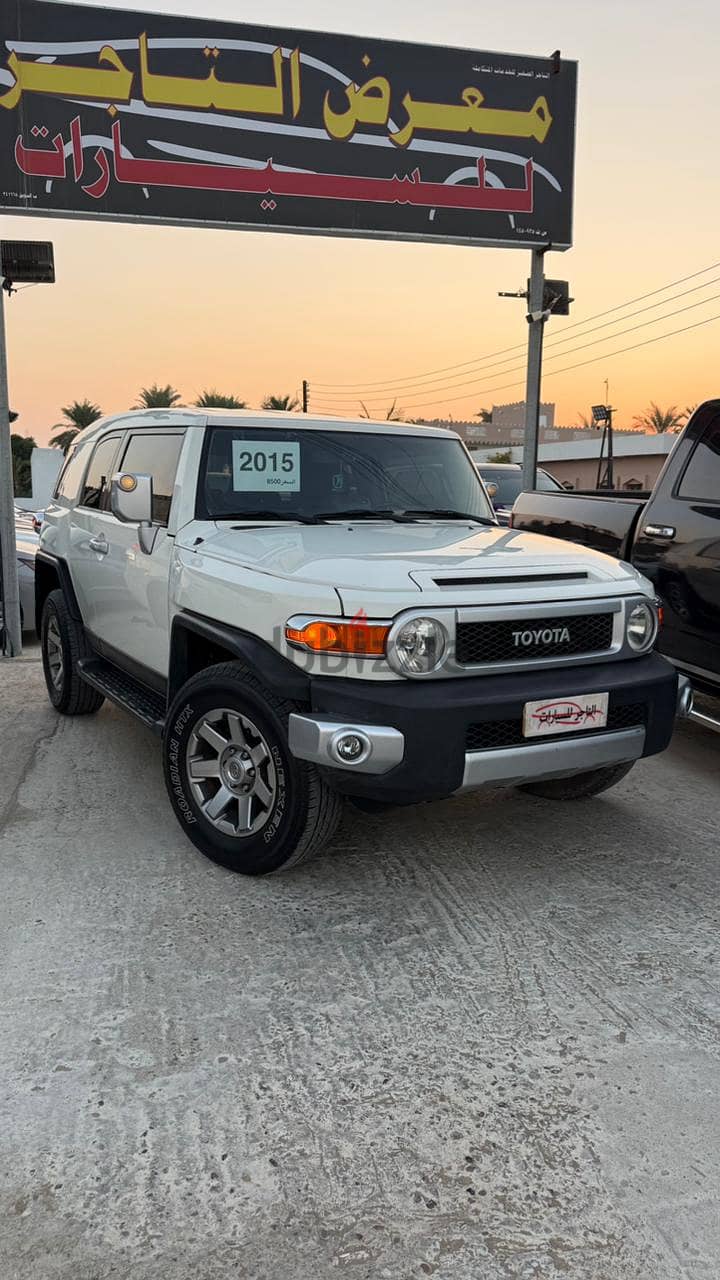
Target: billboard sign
<point>117,114</point>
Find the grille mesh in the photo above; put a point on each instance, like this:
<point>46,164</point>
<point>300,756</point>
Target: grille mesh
<point>488,642</point>
<point>508,733</point>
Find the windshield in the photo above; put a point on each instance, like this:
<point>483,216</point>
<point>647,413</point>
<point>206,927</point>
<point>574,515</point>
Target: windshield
<point>510,484</point>
<point>264,472</point>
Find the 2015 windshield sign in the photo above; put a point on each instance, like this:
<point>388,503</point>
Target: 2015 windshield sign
<point>113,113</point>
<point>259,466</point>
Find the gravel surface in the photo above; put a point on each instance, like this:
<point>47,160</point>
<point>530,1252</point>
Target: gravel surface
<point>475,1040</point>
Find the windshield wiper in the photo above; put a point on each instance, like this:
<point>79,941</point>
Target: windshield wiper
<point>294,516</point>
<point>442,513</point>
<point>366,513</point>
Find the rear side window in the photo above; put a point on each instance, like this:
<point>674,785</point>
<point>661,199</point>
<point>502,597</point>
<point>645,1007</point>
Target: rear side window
<point>155,455</point>
<point>96,489</point>
<point>68,482</point>
<point>701,479</point>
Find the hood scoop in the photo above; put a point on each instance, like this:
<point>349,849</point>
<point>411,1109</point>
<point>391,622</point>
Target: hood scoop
<point>498,580</point>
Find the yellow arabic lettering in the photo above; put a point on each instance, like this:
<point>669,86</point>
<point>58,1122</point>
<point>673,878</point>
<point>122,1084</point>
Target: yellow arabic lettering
<point>295,88</point>
<point>70,82</point>
<point>186,91</point>
<point>369,104</point>
<point>473,117</point>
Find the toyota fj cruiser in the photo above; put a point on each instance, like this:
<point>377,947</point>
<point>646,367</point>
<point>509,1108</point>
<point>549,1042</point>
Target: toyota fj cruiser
<point>309,609</point>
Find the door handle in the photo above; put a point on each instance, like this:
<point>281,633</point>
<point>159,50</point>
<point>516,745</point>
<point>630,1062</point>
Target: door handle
<point>664,531</point>
<point>99,545</point>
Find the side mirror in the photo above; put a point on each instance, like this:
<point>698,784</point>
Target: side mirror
<point>131,500</point>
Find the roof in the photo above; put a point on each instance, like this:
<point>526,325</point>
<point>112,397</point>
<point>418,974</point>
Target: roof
<point>633,445</point>
<point>186,417</point>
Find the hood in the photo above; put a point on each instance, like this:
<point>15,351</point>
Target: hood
<point>439,558</point>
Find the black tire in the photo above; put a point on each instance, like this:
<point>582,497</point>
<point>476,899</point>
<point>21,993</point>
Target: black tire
<point>69,694</point>
<point>580,786</point>
<point>303,811</point>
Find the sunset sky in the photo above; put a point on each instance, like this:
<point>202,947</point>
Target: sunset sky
<point>252,313</point>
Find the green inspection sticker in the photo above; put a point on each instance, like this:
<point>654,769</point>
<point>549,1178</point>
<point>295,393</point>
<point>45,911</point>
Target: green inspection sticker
<point>259,466</point>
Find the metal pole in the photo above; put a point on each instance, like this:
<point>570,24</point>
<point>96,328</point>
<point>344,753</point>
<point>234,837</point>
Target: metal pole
<point>610,473</point>
<point>305,389</point>
<point>8,548</point>
<point>536,321</point>
<point>598,477</point>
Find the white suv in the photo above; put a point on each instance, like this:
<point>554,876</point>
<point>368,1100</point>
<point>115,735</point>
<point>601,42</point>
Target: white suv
<point>309,609</point>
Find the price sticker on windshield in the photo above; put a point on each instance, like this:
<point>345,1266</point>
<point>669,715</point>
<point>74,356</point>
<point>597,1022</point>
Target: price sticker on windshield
<point>260,466</point>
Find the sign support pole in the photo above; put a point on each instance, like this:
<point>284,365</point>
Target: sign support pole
<point>8,553</point>
<point>536,321</point>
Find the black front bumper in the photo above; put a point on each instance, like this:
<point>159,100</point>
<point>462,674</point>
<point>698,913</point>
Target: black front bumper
<point>441,719</point>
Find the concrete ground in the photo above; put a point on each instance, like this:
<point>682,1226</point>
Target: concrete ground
<point>476,1040</point>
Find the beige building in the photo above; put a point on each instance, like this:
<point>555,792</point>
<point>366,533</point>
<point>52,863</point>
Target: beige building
<point>639,459</point>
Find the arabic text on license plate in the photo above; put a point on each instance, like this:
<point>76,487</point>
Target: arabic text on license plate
<point>565,715</point>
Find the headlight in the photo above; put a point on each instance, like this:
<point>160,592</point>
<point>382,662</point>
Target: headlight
<point>417,646</point>
<point>641,627</point>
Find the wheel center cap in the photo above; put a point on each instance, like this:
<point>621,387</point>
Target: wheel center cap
<point>237,771</point>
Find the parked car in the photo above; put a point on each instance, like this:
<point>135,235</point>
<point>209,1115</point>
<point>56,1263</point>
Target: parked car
<point>308,610</point>
<point>672,537</point>
<point>503,481</point>
<point>27,545</point>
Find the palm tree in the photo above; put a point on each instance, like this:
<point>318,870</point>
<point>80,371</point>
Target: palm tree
<point>688,412</point>
<point>213,399</point>
<point>78,415</point>
<point>157,397</point>
<point>660,420</point>
<point>281,404</point>
<point>485,415</point>
<point>584,421</point>
<point>393,414</point>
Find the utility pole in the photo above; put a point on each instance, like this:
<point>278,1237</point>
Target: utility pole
<point>305,395</point>
<point>536,320</point>
<point>543,298</point>
<point>30,262</point>
<point>12,633</point>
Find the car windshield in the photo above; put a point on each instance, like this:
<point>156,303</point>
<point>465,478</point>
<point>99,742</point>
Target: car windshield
<point>285,473</point>
<point>510,484</point>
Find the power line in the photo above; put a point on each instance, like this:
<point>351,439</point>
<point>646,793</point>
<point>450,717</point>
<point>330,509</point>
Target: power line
<point>389,384</point>
<point>421,401</point>
<point>559,341</point>
<point>592,359</point>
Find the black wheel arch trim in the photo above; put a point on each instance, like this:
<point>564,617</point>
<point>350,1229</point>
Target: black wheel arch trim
<point>51,572</point>
<point>274,670</point>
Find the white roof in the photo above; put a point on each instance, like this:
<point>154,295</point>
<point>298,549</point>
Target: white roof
<point>260,418</point>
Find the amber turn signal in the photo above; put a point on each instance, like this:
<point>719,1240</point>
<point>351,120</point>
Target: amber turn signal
<point>363,639</point>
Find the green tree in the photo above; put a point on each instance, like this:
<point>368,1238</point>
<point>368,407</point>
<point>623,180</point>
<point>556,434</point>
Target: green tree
<point>660,420</point>
<point>157,397</point>
<point>22,447</point>
<point>393,414</point>
<point>485,415</point>
<point>282,404</point>
<point>212,399</point>
<point>78,415</point>
<point>502,455</point>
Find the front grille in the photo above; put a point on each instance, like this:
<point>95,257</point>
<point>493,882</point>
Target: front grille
<point>493,734</point>
<point>521,638</point>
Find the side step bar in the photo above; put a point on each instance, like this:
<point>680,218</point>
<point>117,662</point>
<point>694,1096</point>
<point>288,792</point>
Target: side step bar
<point>120,687</point>
<point>708,722</point>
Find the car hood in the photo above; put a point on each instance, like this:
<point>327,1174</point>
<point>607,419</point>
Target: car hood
<point>435,557</point>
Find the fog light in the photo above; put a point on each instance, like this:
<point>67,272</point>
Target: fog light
<point>350,748</point>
